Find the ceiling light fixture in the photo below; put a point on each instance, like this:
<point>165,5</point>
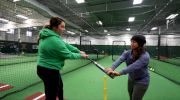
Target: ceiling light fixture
<point>4,20</point>
<point>172,16</point>
<point>21,16</point>
<point>135,2</point>
<point>128,29</point>
<point>99,23</point>
<point>80,1</point>
<point>71,32</point>
<point>105,31</point>
<point>86,31</point>
<point>131,19</point>
<point>15,0</point>
<point>154,28</point>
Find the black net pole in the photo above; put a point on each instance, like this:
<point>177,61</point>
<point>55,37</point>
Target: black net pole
<point>159,41</point>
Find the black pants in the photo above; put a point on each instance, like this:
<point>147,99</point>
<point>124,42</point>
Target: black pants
<point>136,91</point>
<point>52,83</point>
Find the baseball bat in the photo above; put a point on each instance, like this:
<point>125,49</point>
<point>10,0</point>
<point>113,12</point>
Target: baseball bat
<point>101,68</point>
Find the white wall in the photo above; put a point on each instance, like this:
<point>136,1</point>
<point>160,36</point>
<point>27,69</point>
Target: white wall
<point>152,40</point>
<point>14,36</point>
<point>2,35</point>
<point>170,40</point>
<point>72,40</point>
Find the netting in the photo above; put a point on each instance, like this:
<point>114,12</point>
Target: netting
<point>18,47</point>
<point>118,47</point>
<point>165,58</point>
<point>91,50</point>
<point>16,59</point>
<point>23,75</point>
<point>170,54</point>
<point>166,70</point>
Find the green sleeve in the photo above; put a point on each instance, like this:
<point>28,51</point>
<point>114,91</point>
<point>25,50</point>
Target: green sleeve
<point>72,48</point>
<point>61,50</point>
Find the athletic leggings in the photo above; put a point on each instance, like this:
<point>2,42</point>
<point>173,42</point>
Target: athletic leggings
<point>136,91</point>
<point>53,84</point>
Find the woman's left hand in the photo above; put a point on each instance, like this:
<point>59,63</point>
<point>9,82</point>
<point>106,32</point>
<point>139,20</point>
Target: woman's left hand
<point>116,73</point>
<point>82,52</point>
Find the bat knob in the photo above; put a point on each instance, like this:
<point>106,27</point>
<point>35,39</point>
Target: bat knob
<point>112,76</point>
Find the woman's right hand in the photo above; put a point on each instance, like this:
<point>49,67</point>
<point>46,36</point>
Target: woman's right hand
<point>84,55</point>
<point>109,70</point>
<point>82,52</point>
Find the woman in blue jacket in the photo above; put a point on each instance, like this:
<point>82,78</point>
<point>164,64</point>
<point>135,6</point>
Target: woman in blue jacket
<point>137,60</point>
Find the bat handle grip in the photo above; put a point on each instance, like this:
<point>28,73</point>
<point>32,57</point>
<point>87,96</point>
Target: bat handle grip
<point>112,76</point>
<point>89,59</point>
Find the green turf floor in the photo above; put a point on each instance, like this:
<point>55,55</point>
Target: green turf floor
<point>175,61</point>
<point>166,69</point>
<point>17,60</point>
<point>86,83</point>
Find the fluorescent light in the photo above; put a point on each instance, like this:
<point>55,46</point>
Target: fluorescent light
<point>2,29</point>
<point>172,16</point>
<point>80,1</point>
<point>135,2</point>
<point>71,32</point>
<point>99,23</point>
<point>29,21</point>
<point>15,0</point>
<point>108,34</point>
<point>154,28</point>
<point>35,27</point>
<point>170,36</point>
<point>128,29</point>
<point>86,31</point>
<point>131,19</point>
<point>21,16</point>
<point>4,20</point>
<point>105,31</point>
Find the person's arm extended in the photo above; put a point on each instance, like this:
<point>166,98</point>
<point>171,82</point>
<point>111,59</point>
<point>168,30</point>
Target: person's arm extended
<point>121,59</point>
<point>72,48</point>
<point>143,61</point>
<point>61,50</point>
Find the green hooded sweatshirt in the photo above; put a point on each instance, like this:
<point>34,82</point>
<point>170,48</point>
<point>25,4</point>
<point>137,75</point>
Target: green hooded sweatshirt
<point>53,50</point>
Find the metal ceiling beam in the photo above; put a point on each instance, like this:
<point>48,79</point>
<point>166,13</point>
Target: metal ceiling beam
<point>77,15</point>
<point>113,7</point>
<point>39,5</point>
<point>156,15</point>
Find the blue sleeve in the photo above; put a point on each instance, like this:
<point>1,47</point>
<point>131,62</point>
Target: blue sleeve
<point>143,61</point>
<point>121,59</point>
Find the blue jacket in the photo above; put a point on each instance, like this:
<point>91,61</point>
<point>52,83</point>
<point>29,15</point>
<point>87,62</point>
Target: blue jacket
<point>137,70</point>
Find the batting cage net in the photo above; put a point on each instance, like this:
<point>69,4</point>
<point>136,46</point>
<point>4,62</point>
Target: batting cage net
<point>118,47</point>
<point>166,57</point>
<point>93,52</point>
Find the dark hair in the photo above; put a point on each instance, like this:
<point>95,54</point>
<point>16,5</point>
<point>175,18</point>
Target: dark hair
<point>140,50</point>
<point>54,22</point>
<point>141,40</point>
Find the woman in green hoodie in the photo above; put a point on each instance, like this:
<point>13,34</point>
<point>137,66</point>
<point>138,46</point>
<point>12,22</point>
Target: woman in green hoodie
<point>51,55</point>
